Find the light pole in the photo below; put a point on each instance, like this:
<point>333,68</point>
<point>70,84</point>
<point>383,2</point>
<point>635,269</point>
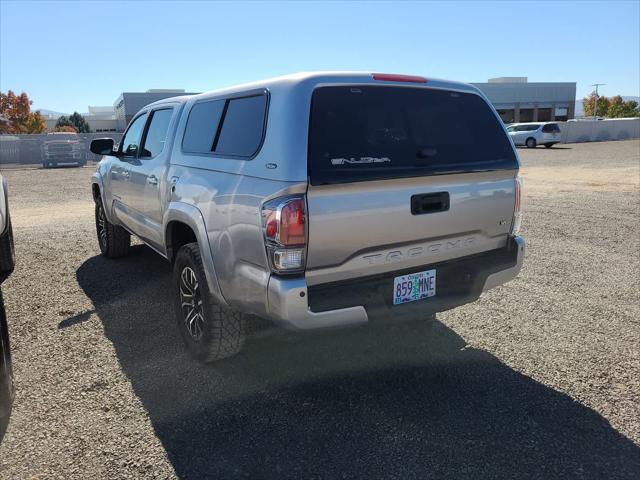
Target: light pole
<point>595,105</point>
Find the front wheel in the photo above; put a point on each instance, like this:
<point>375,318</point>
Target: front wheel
<point>114,240</point>
<point>531,142</point>
<point>210,331</point>
<point>6,374</point>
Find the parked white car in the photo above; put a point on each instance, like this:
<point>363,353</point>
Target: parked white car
<point>534,134</point>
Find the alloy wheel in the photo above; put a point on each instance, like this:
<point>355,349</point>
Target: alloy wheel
<point>101,225</point>
<point>191,303</point>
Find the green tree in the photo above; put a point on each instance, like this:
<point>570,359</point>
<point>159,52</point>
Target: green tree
<point>79,123</point>
<point>631,109</point>
<point>63,121</point>
<point>618,108</point>
<point>76,121</point>
<point>16,115</point>
<point>599,102</point>
<point>614,107</point>
<point>35,123</point>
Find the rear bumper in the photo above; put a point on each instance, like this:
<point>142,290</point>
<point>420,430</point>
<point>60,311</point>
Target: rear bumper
<point>459,281</point>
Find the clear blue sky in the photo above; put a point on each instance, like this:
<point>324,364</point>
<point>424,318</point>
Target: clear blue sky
<point>67,55</point>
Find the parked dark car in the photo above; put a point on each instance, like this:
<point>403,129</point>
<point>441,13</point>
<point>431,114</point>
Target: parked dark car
<point>7,264</point>
<point>63,149</point>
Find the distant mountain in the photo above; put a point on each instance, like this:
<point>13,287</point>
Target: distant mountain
<point>46,112</point>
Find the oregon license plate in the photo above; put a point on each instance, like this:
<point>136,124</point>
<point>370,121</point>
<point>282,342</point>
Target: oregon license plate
<point>415,286</point>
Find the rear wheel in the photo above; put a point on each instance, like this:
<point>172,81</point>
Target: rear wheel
<point>531,142</point>
<point>114,240</point>
<point>548,145</point>
<point>210,331</point>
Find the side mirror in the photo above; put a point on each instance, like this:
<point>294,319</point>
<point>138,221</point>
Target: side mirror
<point>102,146</point>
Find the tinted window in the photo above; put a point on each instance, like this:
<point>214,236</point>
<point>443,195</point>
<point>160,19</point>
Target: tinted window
<point>363,133</point>
<point>202,126</point>
<point>242,126</point>
<point>551,128</point>
<point>528,128</point>
<point>131,140</point>
<point>156,133</point>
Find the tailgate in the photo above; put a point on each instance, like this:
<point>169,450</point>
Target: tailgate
<point>403,177</point>
<point>365,229</point>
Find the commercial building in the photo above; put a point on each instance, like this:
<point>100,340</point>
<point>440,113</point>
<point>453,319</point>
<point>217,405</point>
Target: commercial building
<point>129,103</point>
<point>517,100</point>
<point>100,119</point>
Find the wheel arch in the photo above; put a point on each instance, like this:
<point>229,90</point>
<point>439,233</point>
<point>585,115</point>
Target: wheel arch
<point>177,234</point>
<point>98,193</point>
<point>183,223</point>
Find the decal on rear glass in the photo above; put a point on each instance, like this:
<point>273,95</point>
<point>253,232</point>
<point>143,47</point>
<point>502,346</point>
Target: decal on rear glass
<point>354,160</point>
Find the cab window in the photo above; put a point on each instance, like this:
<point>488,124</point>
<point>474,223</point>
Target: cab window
<point>156,135</point>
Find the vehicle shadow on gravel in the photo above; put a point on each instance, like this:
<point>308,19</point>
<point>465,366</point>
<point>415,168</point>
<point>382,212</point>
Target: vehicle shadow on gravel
<point>396,401</point>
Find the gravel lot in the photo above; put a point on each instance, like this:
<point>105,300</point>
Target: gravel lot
<point>539,379</point>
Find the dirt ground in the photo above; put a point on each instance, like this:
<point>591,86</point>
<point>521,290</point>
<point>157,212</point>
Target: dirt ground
<point>538,379</point>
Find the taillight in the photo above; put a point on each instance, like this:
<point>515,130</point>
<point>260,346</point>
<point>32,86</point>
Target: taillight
<point>517,213</point>
<point>392,77</point>
<point>283,224</point>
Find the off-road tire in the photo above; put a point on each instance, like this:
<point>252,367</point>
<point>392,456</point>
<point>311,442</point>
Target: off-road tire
<point>6,373</point>
<point>116,241</point>
<point>531,142</point>
<point>223,329</point>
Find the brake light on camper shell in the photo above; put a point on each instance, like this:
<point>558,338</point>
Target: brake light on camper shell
<point>392,77</point>
<point>283,222</point>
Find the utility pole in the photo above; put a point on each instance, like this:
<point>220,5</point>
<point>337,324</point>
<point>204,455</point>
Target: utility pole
<point>595,105</point>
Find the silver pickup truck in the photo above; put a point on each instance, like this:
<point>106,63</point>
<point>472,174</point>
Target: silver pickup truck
<point>315,200</point>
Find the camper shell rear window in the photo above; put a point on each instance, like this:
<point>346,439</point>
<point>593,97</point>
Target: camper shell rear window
<point>359,133</point>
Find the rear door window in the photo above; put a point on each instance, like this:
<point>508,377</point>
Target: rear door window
<point>551,128</point>
<point>156,133</point>
<point>242,127</point>
<point>202,126</point>
<point>362,133</point>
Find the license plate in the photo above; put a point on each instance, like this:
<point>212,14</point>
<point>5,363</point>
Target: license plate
<point>415,286</point>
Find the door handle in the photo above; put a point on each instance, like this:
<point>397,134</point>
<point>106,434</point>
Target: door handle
<point>152,180</point>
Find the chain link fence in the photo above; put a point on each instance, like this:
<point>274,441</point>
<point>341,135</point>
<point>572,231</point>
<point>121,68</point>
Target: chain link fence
<point>50,149</point>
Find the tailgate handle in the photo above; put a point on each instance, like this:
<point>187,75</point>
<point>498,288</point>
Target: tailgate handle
<point>429,203</point>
